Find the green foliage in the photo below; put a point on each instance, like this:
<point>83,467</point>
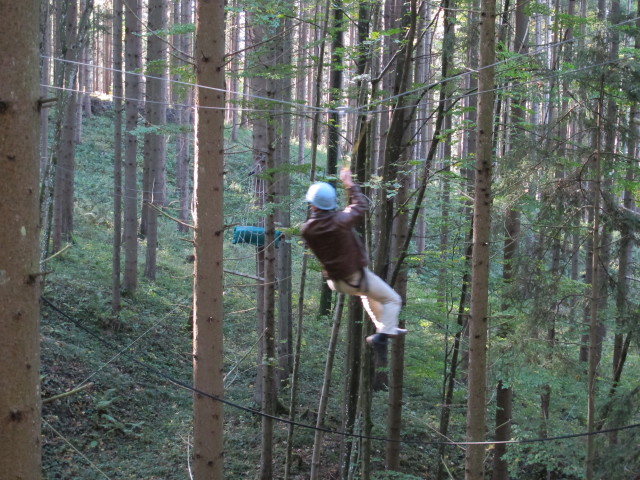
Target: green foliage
<point>390,475</point>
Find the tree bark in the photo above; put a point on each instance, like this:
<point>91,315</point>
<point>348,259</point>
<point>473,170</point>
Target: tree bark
<point>476,401</point>
<point>20,448</point>
<point>517,149</point>
<point>208,308</point>
<point>74,31</point>
<point>183,97</point>
<point>133,61</point>
<point>396,368</point>
<point>117,157</point>
<point>282,180</point>
<point>594,300</point>
<point>153,195</point>
<point>326,386</point>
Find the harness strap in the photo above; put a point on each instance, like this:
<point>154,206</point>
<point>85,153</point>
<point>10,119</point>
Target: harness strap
<point>363,280</point>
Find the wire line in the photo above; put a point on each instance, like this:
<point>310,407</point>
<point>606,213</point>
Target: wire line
<point>255,412</point>
<point>93,465</point>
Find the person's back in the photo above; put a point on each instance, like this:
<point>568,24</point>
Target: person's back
<point>331,237</point>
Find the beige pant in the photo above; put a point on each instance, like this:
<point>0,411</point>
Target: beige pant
<point>381,302</point>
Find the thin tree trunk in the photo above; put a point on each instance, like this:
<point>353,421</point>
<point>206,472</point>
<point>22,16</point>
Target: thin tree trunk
<point>153,196</point>
<point>263,60</point>
<point>396,381</point>
<point>208,307</point>
<point>269,361</point>
<point>282,181</point>
<point>621,343</point>
<point>450,377</point>
<point>117,157</point>
<point>133,60</point>
<point>517,142</point>
<point>183,97</point>
<point>594,301</point>
<point>64,149</point>
<point>354,369</point>
<point>234,100</point>
<point>353,357</point>
<point>324,392</point>
<point>295,375</point>
<point>476,401</point>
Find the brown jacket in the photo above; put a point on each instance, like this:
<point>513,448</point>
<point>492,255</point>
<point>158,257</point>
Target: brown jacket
<point>331,237</point>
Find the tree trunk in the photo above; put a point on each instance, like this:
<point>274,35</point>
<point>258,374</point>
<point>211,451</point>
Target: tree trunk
<point>117,156</point>
<point>262,62</point>
<point>269,334</point>
<point>476,401</point>
<point>282,180</point>
<point>326,386</point>
<point>20,448</point>
<point>66,130</point>
<point>594,301</point>
<point>396,380</point>
<point>208,308</point>
<point>354,356</point>
<point>450,378</point>
<point>153,195</point>
<point>133,61</point>
<point>296,367</point>
<point>517,150</point>
<point>183,97</point>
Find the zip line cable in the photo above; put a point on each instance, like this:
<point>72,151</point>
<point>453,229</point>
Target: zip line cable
<point>303,109</point>
<point>122,351</point>
<point>181,384</point>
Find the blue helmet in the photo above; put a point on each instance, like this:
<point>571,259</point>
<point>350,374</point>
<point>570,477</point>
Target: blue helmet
<point>322,195</point>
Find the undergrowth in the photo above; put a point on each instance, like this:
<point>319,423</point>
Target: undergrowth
<point>127,420</point>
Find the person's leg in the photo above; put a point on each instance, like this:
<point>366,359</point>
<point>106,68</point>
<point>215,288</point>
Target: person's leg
<point>382,303</point>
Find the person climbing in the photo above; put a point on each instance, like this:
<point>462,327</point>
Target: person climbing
<point>330,235</point>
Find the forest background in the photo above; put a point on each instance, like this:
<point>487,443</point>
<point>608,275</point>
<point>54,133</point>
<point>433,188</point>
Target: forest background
<point>159,280</point>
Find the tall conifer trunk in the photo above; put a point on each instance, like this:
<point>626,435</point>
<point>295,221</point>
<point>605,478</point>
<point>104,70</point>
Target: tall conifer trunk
<point>20,447</point>
<point>208,307</point>
<point>133,61</point>
<point>117,156</point>
<point>154,183</point>
<point>476,400</point>
<point>517,145</point>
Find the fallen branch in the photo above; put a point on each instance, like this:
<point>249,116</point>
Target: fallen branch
<point>67,394</point>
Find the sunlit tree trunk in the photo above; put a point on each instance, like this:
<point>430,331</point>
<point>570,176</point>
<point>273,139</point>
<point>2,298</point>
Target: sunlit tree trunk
<point>208,308</point>
<point>20,447</point>
<point>300,120</point>
<point>476,400</point>
<point>355,355</point>
<point>183,97</point>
